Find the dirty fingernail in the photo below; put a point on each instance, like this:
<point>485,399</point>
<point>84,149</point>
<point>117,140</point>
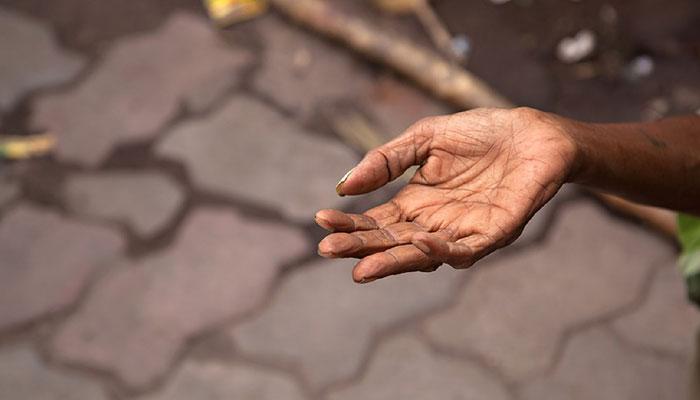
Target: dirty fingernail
<point>367,280</point>
<point>339,186</point>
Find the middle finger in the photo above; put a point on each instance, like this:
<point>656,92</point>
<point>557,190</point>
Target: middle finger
<point>363,243</point>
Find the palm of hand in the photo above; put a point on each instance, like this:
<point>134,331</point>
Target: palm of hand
<point>484,173</point>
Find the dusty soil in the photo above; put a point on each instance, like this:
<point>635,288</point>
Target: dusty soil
<point>514,50</point>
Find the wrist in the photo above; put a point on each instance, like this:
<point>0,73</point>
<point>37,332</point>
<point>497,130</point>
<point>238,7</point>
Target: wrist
<point>572,145</point>
<point>579,135</point>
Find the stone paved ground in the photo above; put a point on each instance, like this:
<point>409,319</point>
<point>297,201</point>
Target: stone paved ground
<point>166,251</point>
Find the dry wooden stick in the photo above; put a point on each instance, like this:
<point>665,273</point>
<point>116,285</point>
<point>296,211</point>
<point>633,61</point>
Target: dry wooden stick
<point>444,79</point>
<point>427,16</point>
<point>436,29</point>
<point>424,66</point>
<point>662,220</point>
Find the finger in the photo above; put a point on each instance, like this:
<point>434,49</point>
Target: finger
<point>457,254</point>
<point>397,260</point>
<point>363,243</point>
<point>388,162</point>
<point>385,214</point>
<point>338,221</point>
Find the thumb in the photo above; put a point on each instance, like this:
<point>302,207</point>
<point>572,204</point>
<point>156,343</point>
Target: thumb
<point>389,161</point>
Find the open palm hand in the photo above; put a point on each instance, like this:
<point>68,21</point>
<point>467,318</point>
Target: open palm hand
<point>483,174</point>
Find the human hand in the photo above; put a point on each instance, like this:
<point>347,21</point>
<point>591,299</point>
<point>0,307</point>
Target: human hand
<point>483,174</point>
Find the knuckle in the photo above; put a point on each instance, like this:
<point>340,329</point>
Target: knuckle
<point>424,126</point>
<point>524,110</point>
<point>378,153</point>
<point>426,121</point>
<point>526,113</point>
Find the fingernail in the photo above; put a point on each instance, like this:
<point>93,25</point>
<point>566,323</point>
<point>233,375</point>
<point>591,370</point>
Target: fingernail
<point>338,244</point>
<point>324,224</point>
<point>367,280</point>
<point>342,180</point>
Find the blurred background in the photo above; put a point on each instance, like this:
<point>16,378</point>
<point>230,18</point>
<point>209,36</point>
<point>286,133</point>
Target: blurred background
<point>163,163</point>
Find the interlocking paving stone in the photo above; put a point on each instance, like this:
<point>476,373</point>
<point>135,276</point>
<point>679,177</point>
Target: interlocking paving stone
<point>404,368</point>
<point>301,71</point>
<point>30,58</point>
<point>209,92</point>
<point>247,149</point>
<point>666,320</point>
<point>596,366</point>
<point>23,376</point>
<point>322,322</point>
<point>9,190</point>
<point>397,105</point>
<point>46,262</point>
<point>138,87</point>
<point>514,309</point>
<point>137,318</point>
<point>540,223</point>
<point>209,380</point>
<point>145,200</point>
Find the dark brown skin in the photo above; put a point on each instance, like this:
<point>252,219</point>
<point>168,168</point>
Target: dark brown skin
<point>484,173</point>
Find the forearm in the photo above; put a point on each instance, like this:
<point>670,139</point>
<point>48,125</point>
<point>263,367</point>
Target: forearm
<point>656,163</point>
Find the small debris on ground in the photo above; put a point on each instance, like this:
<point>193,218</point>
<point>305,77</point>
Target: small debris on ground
<point>23,147</point>
<point>685,98</point>
<point>461,46</point>
<point>229,12</point>
<point>640,67</point>
<point>657,108</point>
<point>574,49</point>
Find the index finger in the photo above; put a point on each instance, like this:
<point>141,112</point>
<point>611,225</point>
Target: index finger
<point>389,161</point>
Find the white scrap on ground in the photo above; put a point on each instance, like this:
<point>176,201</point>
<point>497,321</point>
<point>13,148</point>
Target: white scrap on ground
<point>461,46</point>
<point>574,49</point>
<point>640,67</point>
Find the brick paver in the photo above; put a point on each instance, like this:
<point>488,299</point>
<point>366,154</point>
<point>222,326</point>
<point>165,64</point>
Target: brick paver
<point>47,261</point>
<point>145,200</point>
<point>138,317</point>
<point>666,321</point>
<point>9,190</point>
<point>138,87</point>
<point>211,380</point>
<point>596,366</point>
<point>251,151</point>
<point>515,309</point>
<point>301,71</point>
<point>31,59</point>
<point>24,376</point>
<point>404,368</point>
<point>539,224</point>
<point>587,311</point>
<point>322,323</point>
<point>397,105</point>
